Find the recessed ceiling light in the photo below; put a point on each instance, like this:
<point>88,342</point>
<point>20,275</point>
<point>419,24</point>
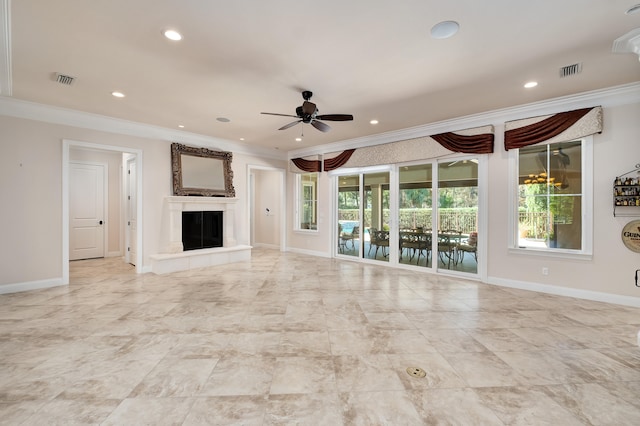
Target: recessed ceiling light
<point>181,126</point>
<point>633,10</point>
<point>298,139</point>
<point>530,84</point>
<point>173,35</point>
<point>223,119</point>
<point>241,139</point>
<point>374,122</point>
<point>118,94</point>
<point>444,29</point>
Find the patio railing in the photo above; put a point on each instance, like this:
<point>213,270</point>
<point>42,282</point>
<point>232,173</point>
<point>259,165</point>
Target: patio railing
<point>462,219</point>
<point>532,224</point>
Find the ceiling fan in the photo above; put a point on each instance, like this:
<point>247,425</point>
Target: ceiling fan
<point>308,113</point>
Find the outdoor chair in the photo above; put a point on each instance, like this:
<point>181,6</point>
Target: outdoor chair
<point>416,242</point>
<point>379,239</point>
<point>468,246</point>
<point>351,236</point>
<point>448,241</point>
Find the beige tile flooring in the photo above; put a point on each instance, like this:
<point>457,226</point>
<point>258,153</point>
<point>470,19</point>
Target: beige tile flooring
<point>294,339</point>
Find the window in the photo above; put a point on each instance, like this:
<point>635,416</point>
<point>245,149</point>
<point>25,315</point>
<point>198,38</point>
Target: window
<point>307,201</point>
<point>553,195</point>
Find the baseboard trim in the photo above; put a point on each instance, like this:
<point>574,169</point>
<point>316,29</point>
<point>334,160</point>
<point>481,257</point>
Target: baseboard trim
<point>309,252</point>
<point>269,246</point>
<point>31,285</point>
<point>596,296</point>
<point>114,254</point>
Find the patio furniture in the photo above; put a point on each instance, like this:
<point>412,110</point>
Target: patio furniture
<point>417,242</point>
<point>448,241</point>
<point>345,237</point>
<point>379,239</point>
<point>470,245</point>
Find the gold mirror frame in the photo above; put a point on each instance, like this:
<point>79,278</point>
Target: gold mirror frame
<point>220,163</point>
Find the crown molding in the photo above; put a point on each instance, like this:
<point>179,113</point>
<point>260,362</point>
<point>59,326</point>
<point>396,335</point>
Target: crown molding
<point>609,97</point>
<point>56,115</point>
<point>5,48</point>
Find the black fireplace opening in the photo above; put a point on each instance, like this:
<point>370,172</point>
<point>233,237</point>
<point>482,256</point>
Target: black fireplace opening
<point>201,230</point>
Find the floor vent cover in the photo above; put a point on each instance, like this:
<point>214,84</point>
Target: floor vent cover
<point>416,372</point>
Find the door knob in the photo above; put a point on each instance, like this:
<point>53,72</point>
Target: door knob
<point>100,222</point>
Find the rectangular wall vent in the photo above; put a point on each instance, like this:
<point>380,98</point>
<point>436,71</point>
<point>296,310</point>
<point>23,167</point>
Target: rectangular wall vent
<point>570,70</point>
<point>64,79</point>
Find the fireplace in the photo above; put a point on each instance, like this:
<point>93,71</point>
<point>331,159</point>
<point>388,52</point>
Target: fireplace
<point>201,229</point>
<point>179,253</point>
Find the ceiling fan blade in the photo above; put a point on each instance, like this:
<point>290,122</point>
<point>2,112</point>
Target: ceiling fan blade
<point>335,117</point>
<point>281,115</point>
<point>308,108</point>
<point>320,126</point>
<point>286,126</point>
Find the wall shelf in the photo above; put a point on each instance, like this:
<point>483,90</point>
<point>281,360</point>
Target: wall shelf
<point>626,194</point>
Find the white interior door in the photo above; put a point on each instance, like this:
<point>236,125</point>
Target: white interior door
<point>132,207</point>
<point>86,210</point>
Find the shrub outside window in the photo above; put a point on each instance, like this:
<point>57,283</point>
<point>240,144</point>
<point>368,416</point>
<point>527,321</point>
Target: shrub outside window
<point>551,195</point>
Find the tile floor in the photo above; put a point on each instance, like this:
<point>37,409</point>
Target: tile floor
<point>294,339</point>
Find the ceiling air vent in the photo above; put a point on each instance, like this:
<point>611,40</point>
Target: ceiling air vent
<point>64,79</point>
<point>570,70</point>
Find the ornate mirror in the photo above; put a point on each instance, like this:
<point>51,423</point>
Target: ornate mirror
<point>201,171</point>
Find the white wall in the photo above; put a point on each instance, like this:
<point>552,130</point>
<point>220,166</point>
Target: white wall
<point>31,190</point>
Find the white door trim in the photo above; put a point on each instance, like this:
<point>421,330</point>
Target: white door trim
<point>67,144</point>
<point>126,214</point>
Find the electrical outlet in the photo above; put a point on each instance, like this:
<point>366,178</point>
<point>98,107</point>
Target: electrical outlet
<point>545,270</point>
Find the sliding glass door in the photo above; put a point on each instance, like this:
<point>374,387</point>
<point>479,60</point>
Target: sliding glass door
<point>376,216</point>
<point>415,214</point>
<point>421,215</point>
<point>349,215</point>
<point>363,215</point>
<point>457,236</point>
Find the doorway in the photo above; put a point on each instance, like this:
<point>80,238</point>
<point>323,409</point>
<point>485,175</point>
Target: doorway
<point>69,146</point>
<point>266,207</point>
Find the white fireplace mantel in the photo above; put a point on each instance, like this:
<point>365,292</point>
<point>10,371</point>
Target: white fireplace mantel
<point>179,204</point>
<point>174,258</point>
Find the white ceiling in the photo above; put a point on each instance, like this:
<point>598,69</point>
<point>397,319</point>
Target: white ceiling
<point>369,58</point>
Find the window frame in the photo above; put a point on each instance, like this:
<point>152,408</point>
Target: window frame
<point>299,209</point>
<point>586,252</point>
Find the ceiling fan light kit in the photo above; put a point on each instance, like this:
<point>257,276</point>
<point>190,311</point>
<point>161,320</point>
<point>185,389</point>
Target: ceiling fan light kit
<point>308,113</point>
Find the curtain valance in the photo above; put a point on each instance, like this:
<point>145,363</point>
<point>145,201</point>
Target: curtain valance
<point>305,165</point>
<point>337,161</point>
<point>470,144</point>
<point>565,125</point>
<point>478,140</point>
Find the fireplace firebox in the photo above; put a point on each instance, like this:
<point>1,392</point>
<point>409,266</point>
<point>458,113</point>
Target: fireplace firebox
<point>201,229</point>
